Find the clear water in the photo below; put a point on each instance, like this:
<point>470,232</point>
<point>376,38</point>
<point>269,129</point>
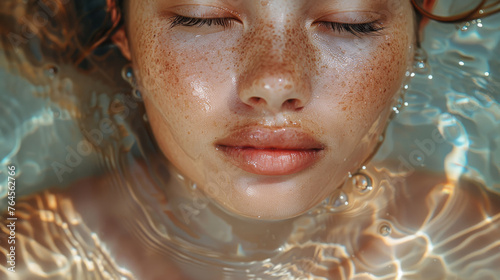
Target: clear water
<point>426,207</point>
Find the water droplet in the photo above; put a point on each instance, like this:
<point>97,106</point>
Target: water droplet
<point>420,59</point>
<point>362,182</point>
<point>466,26</point>
<point>385,230</point>
<point>127,72</point>
<point>335,203</point>
<point>341,200</point>
<point>137,94</point>
<point>128,75</point>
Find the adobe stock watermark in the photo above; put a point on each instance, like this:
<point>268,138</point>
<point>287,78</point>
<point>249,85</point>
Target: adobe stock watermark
<point>48,9</point>
<point>425,148</point>
<point>94,137</point>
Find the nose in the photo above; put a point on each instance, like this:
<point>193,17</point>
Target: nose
<point>276,77</point>
<point>274,93</point>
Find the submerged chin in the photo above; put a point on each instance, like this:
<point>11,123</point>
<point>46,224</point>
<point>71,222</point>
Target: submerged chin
<point>273,197</point>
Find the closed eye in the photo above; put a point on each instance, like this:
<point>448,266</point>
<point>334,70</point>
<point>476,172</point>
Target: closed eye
<point>356,29</point>
<point>198,22</point>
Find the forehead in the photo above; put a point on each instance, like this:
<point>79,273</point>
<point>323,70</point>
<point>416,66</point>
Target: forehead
<point>300,4</point>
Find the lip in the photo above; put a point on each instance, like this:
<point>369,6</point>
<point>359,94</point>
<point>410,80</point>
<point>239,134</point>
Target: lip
<point>274,152</point>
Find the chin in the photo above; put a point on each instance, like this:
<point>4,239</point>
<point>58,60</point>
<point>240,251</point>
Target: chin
<point>275,198</point>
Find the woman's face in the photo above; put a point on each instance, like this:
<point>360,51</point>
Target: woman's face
<point>268,104</point>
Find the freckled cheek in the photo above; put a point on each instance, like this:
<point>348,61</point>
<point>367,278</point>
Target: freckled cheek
<point>379,83</point>
<point>189,87</point>
<point>163,76</point>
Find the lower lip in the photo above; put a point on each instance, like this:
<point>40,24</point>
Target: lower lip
<point>274,162</point>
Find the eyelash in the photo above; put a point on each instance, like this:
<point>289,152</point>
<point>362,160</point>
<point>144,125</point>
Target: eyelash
<point>356,29</point>
<point>188,21</point>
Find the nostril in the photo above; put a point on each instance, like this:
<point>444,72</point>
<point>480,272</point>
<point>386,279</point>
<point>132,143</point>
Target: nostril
<point>256,100</point>
<point>292,104</point>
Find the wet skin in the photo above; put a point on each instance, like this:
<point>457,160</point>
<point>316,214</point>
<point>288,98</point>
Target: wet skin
<point>298,69</point>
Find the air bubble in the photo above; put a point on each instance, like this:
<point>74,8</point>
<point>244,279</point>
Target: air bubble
<point>336,202</point>
<point>421,66</point>
<point>466,26</point>
<point>385,230</point>
<point>137,94</point>
<point>362,182</point>
<point>341,200</point>
<point>128,73</point>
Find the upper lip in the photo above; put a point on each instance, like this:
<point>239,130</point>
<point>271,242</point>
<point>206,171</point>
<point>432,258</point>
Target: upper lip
<point>271,138</point>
